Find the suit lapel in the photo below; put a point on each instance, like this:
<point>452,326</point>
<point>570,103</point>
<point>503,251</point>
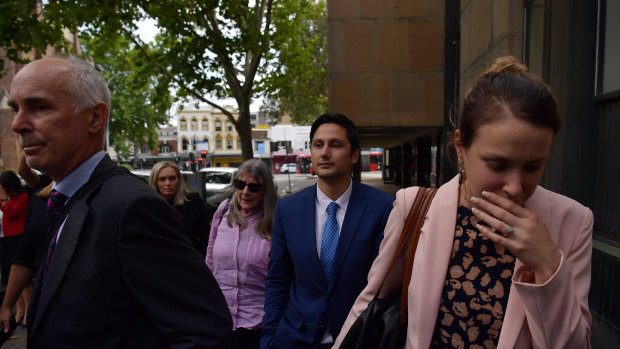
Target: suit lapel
<point>431,261</point>
<point>44,291</point>
<point>307,237</point>
<point>63,253</point>
<point>355,211</point>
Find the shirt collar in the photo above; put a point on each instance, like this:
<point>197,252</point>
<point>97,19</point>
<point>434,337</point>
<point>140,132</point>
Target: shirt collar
<point>78,177</point>
<point>342,201</point>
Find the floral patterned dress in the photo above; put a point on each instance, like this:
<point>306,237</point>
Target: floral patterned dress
<point>476,289</point>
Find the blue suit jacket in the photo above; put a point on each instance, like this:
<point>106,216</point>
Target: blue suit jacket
<point>300,304</point>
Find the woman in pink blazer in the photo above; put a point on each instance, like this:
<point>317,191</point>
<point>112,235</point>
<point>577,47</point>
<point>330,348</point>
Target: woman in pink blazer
<point>501,261</point>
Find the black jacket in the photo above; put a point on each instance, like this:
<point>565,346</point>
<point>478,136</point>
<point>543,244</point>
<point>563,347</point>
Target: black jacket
<point>123,275</point>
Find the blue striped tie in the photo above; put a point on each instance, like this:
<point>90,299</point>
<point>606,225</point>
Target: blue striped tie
<point>329,241</point>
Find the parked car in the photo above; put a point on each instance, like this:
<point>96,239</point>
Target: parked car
<point>288,168</point>
<point>142,174</point>
<point>219,184</point>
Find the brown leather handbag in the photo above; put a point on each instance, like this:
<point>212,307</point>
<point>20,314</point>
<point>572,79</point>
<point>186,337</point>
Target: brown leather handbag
<point>384,323</point>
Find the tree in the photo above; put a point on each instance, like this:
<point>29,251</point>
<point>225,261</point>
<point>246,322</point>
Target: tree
<point>206,47</point>
<point>297,85</point>
<point>140,94</point>
<point>23,30</point>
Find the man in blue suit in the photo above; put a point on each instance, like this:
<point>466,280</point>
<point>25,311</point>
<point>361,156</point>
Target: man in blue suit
<point>324,241</point>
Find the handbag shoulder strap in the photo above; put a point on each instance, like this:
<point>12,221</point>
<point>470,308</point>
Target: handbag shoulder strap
<point>223,212</point>
<point>418,221</point>
<point>407,229</point>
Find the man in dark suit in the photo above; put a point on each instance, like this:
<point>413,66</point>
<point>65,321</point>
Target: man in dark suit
<point>324,241</point>
<point>119,272</point>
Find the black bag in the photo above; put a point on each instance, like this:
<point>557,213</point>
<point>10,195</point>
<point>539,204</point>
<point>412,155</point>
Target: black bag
<point>384,323</point>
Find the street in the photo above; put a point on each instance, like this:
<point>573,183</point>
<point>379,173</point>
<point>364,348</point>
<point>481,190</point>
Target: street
<point>297,182</point>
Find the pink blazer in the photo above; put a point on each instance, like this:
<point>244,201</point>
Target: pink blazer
<point>551,315</point>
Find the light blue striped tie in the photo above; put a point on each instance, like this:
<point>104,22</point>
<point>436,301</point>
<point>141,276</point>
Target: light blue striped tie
<point>329,241</point>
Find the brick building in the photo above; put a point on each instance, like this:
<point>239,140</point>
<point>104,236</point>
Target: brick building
<point>167,143</point>
<point>8,148</point>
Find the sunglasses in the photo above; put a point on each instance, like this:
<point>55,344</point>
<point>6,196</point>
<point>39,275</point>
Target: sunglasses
<point>254,187</point>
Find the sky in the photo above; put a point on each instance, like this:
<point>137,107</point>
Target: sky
<point>147,29</point>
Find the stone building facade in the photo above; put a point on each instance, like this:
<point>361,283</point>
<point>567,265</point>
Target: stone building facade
<point>209,129</point>
<point>386,72</point>
<point>399,68</point>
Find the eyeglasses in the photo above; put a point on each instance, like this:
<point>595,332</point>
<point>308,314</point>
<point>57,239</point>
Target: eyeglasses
<point>254,187</point>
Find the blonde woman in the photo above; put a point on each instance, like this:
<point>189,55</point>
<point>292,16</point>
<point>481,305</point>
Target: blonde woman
<point>166,178</point>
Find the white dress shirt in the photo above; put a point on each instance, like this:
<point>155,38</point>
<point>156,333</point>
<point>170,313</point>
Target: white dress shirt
<point>76,179</point>
<point>321,203</point>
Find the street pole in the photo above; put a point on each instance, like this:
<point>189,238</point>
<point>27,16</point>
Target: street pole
<point>288,170</point>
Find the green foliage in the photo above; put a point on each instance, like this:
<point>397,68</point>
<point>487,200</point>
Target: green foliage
<point>140,94</point>
<point>298,79</point>
<point>206,49</point>
<point>21,30</point>
<point>127,166</point>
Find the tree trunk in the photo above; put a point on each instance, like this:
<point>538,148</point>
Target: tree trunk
<point>244,129</point>
<point>135,156</point>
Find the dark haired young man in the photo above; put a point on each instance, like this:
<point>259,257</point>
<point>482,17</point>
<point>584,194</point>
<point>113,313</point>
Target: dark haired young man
<point>324,241</point>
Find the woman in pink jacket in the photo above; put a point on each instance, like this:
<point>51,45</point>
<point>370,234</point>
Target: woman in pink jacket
<point>238,250</point>
<point>501,262</point>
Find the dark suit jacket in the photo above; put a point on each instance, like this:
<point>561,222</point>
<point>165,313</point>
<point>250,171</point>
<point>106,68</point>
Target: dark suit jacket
<point>299,303</point>
<point>123,275</point>
<point>196,222</point>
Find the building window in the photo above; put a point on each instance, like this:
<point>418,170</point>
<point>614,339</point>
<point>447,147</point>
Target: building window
<point>185,144</point>
<point>144,149</point>
<point>283,145</point>
<point>228,126</point>
<point>206,143</point>
<point>229,144</point>
<point>218,144</point>
<point>205,124</point>
<point>218,126</point>
<point>183,125</point>
<point>258,144</point>
<point>608,75</point>
<point>194,124</point>
<point>534,26</point>
<point>164,149</point>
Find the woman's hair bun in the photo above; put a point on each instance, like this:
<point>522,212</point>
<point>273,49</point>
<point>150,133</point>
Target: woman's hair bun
<point>505,65</point>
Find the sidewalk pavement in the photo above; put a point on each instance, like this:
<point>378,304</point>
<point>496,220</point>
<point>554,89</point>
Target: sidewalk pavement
<point>18,340</point>
<point>374,180</point>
